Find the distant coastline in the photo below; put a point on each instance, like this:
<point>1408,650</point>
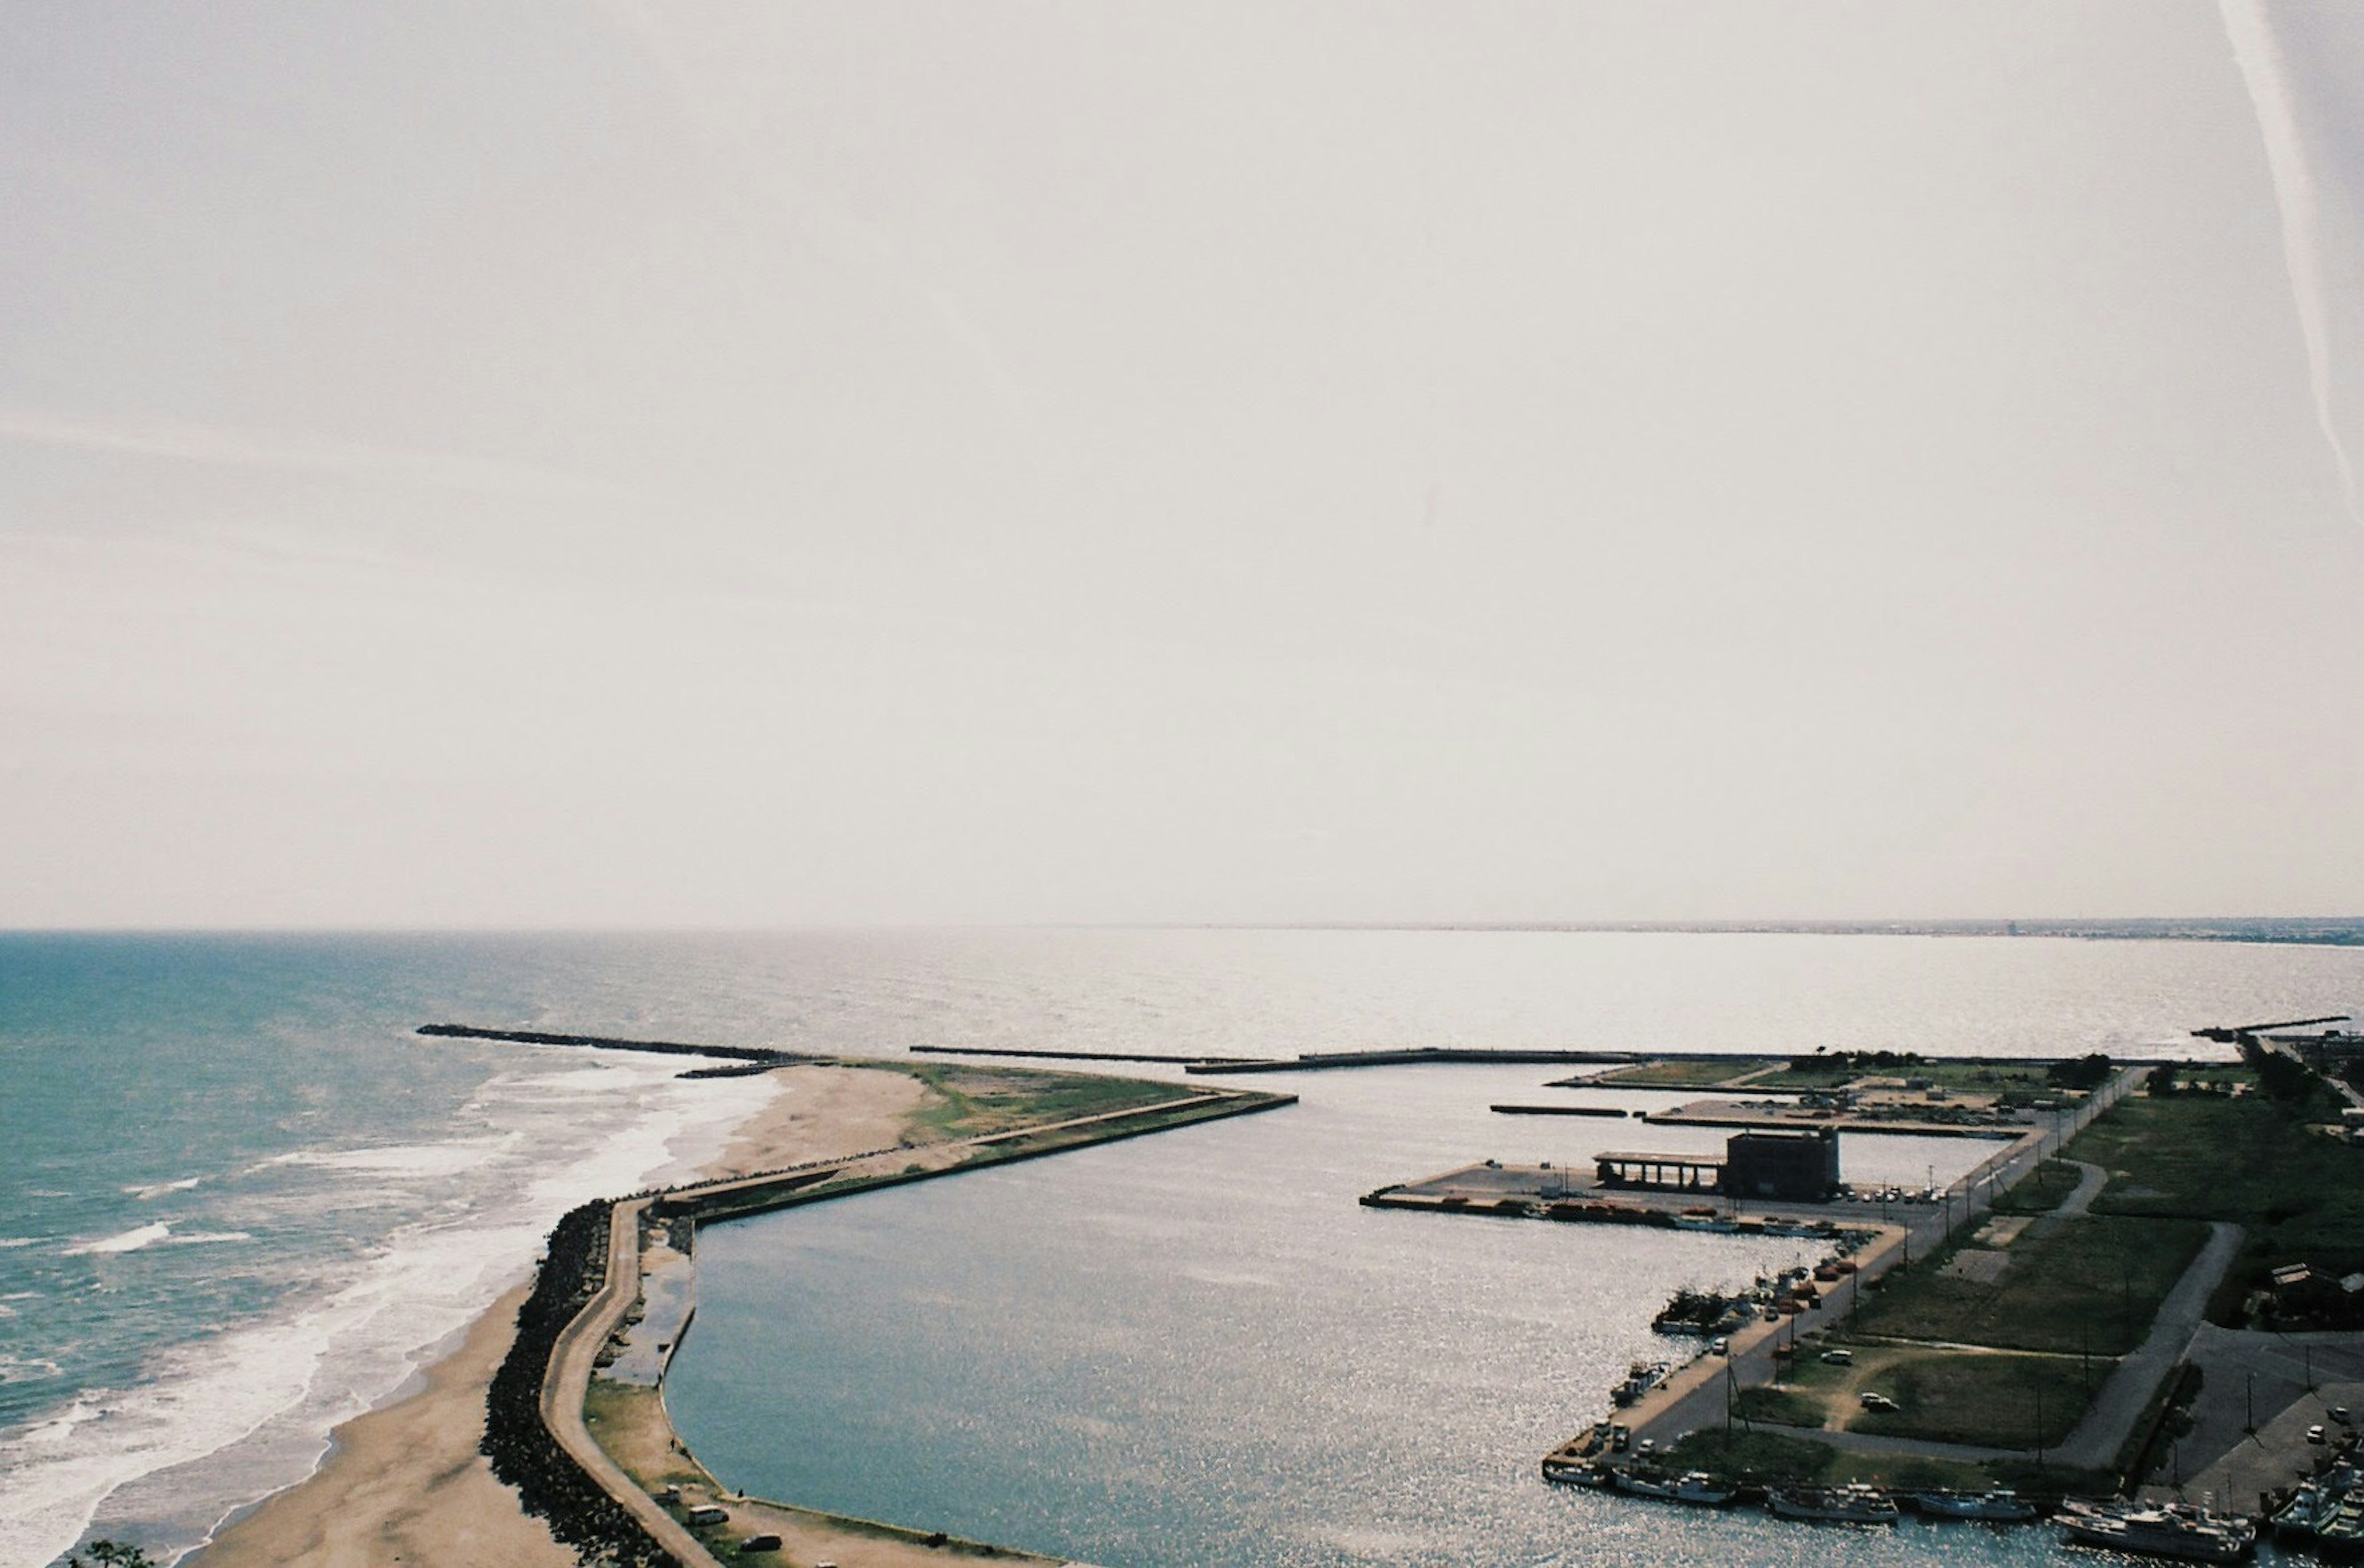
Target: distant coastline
<point>2333,930</point>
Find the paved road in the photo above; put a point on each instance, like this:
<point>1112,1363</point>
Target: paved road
<point>570,1376</point>
<point>2110,1418</point>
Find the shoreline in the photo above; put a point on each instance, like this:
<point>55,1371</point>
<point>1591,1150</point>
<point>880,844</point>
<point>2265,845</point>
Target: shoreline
<point>366,1503</point>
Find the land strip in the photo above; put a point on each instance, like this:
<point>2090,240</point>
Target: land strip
<point>606,1042</point>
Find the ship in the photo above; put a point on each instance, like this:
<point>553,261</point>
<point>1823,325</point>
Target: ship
<point>1851,1505</point>
<point>2326,1517</point>
<point>2001,1504</point>
<point>1584,1475</point>
<point>2178,1530</point>
<point>1698,1489</point>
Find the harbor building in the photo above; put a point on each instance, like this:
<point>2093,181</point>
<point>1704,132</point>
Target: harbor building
<point>1796,1167</point>
<point>1791,1167</point>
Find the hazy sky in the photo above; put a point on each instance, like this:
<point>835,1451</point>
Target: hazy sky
<point>755,464</point>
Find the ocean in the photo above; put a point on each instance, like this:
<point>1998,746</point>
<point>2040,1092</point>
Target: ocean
<point>243,1200</point>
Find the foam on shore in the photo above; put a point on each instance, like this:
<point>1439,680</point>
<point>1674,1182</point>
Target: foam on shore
<point>248,1411</point>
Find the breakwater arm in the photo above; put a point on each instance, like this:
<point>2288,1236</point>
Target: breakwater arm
<point>605,1042</point>
<point>550,1482</point>
<point>1409,1055</point>
<point>1557,1110</point>
<point>1070,1056</point>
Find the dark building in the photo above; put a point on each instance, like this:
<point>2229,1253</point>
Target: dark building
<point>1798,1167</point>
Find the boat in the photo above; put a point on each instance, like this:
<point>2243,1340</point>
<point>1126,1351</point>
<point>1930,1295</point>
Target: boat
<point>1850,1504</point>
<point>1698,1487</point>
<point>2325,1516</point>
<point>2001,1504</point>
<point>1584,1475</point>
<point>2177,1530</point>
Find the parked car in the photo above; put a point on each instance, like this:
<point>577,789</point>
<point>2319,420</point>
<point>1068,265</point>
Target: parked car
<point>1871,1401</point>
<point>1839,1358</point>
<point>2315,1433</point>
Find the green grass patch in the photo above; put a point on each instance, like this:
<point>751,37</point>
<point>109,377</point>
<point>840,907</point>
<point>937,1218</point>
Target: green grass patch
<point>973,1101</point>
<point>2043,1190</point>
<point>1994,1400</point>
<point>2092,1285</point>
<point>1959,1077</point>
<point>1769,1457</point>
<point>2244,1158</point>
<point>1757,1456</point>
<point>1783,1407</point>
<point>1681,1073</point>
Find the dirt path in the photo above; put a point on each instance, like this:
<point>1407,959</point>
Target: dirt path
<point>2091,1180</point>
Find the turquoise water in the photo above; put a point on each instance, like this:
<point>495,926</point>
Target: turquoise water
<point>240,1199</point>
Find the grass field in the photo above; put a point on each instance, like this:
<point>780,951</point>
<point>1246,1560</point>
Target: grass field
<point>1783,1407</point>
<point>1962,1078</point>
<point>1998,1400</point>
<point>2299,1194</point>
<point>2092,1285</point>
<point>2043,1189</point>
<point>975,1101</point>
<point>1681,1073</point>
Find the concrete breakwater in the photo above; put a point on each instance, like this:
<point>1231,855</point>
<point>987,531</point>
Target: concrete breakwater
<point>1605,1111</point>
<point>605,1042</point>
<point>551,1484</point>
<point>1416,1055</point>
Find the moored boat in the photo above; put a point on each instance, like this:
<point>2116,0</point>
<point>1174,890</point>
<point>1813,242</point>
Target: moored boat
<point>1577,1475</point>
<point>1852,1505</point>
<point>2192,1535</point>
<point>2000,1505</point>
<point>1697,1487</point>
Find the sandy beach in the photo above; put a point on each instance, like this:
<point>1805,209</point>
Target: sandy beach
<point>405,1483</point>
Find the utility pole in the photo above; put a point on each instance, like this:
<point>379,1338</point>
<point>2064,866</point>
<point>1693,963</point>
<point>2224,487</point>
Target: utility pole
<point>2039,1423</point>
<point>2249,1407</point>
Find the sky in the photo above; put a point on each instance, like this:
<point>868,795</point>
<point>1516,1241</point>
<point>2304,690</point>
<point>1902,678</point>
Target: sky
<point>741,464</point>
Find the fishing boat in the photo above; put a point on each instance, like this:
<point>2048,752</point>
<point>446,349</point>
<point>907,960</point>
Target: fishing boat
<point>1578,1474</point>
<point>1851,1505</point>
<point>2001,1504</point>
<point>2178,1530</point>
<point>1697,1487</point>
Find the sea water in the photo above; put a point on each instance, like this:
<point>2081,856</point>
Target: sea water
<point>240,1199</point>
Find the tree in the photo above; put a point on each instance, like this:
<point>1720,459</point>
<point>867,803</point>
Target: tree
<point>109,1554</point>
